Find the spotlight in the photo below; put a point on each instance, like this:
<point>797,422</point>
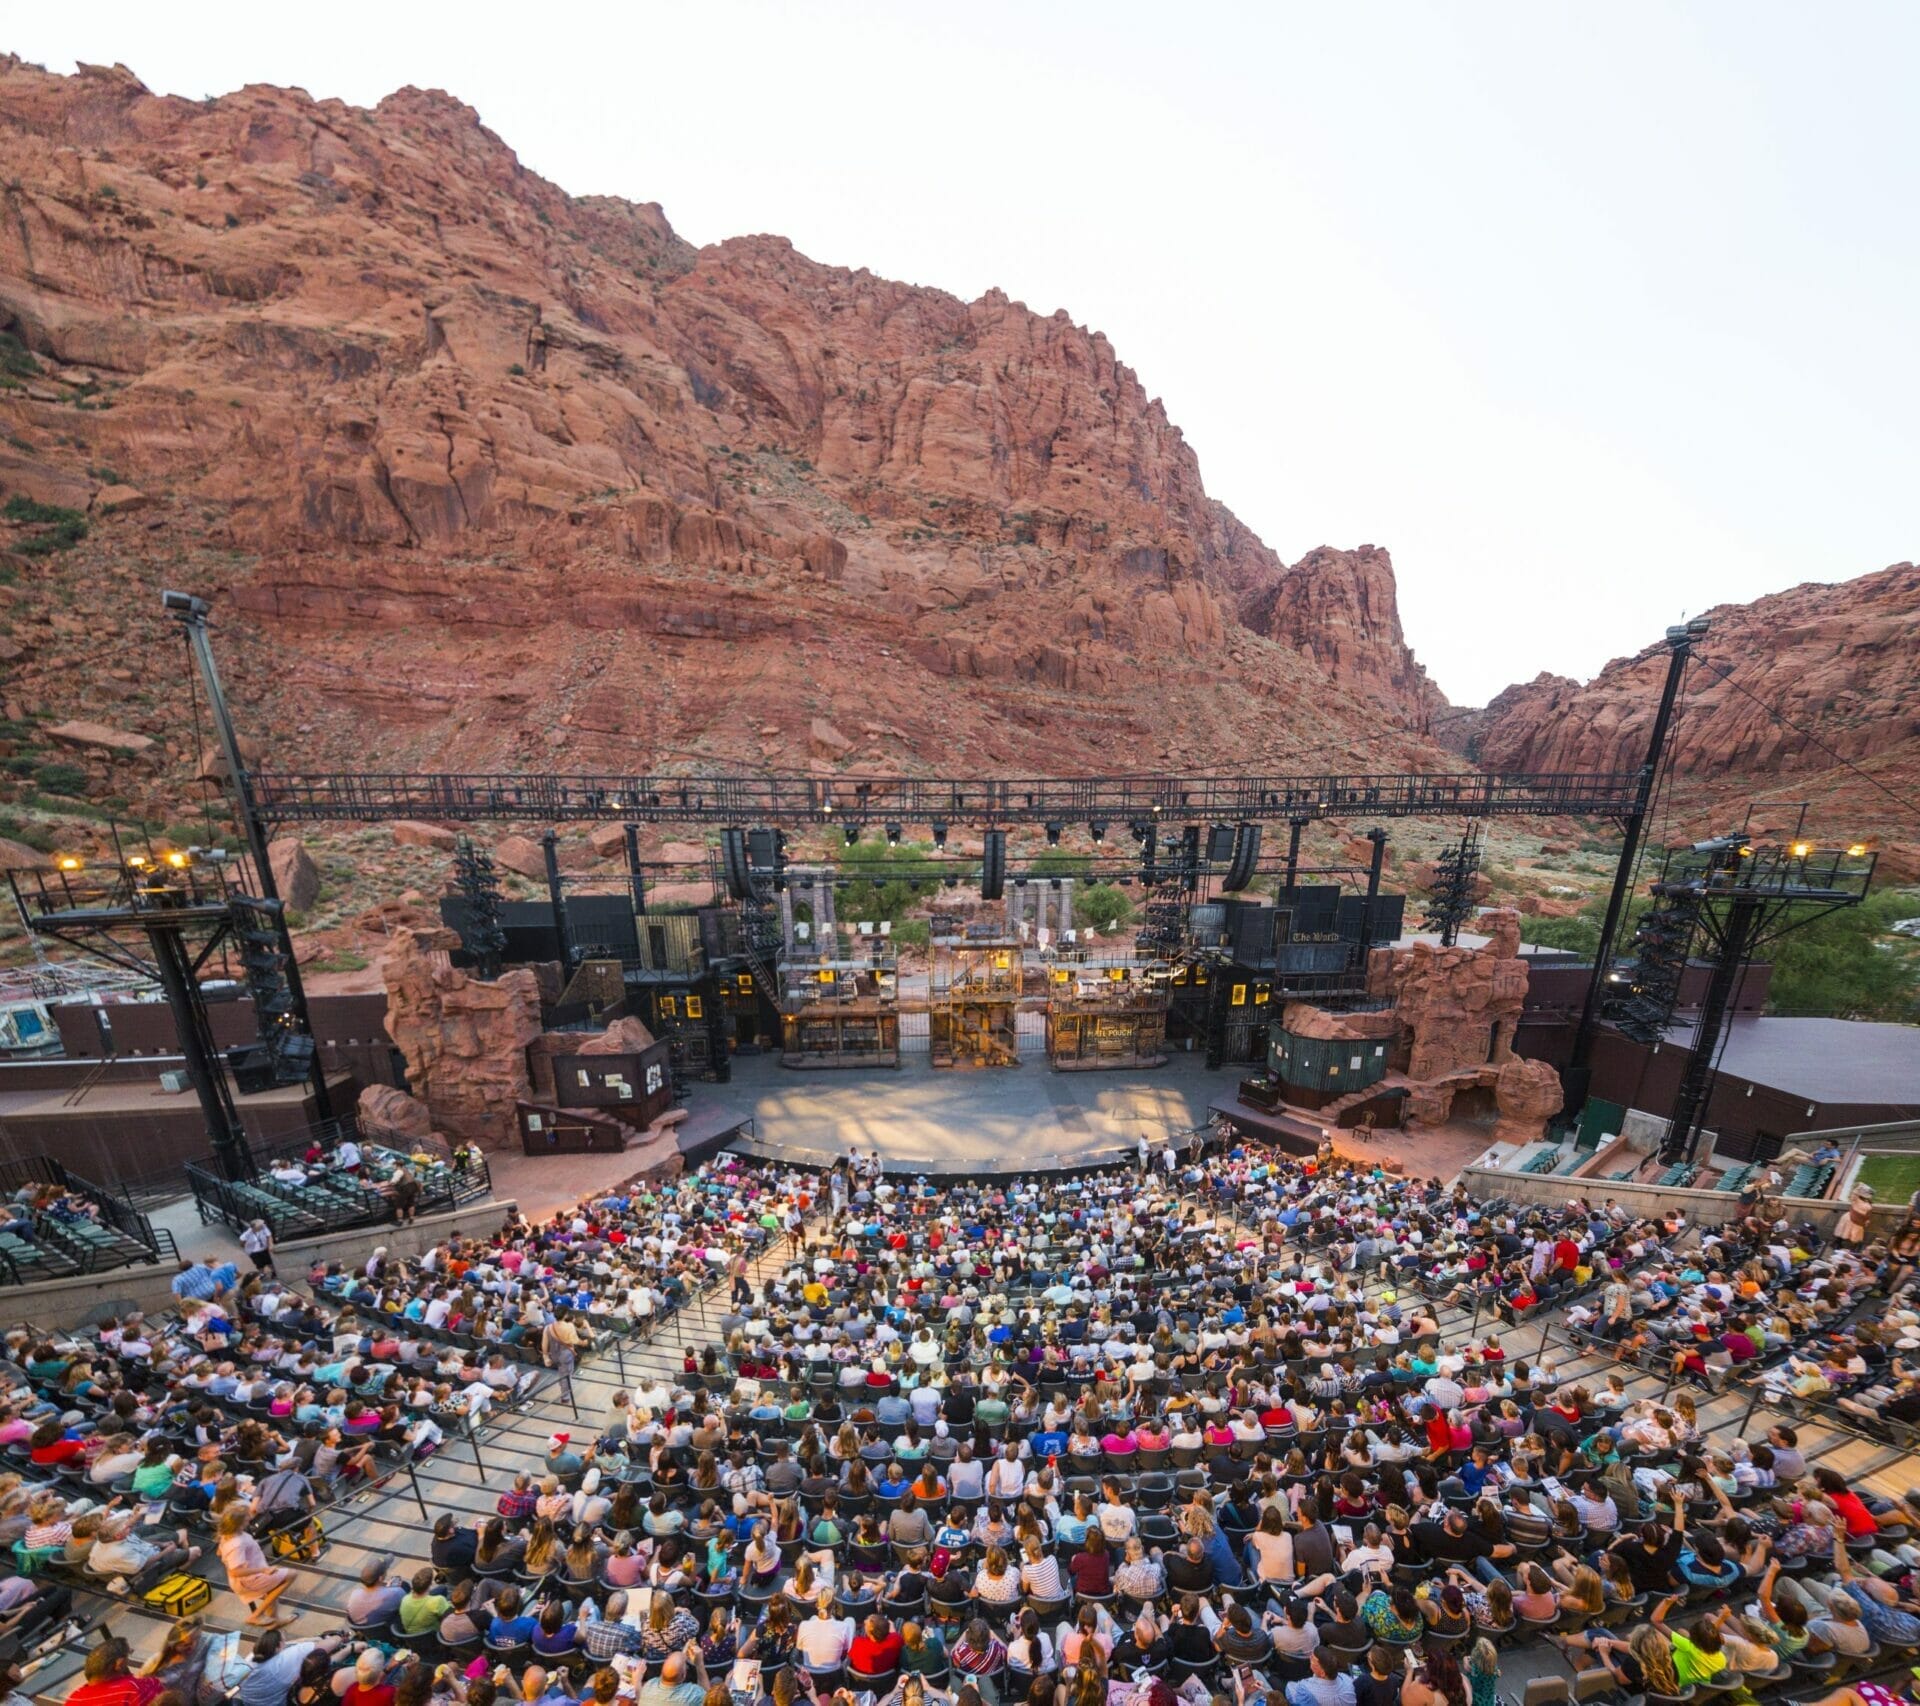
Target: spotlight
<point>852,833</point>
<point>69,862</point>
<point>1053,835</point>
<point>1156,809</point>
<point>939,833</point>
<point>1098,830</point>
<point>1800,849</point>
<point>1857,851</point>
<point>179,861</point>
<point>137,862</point>
<point>893,835</point>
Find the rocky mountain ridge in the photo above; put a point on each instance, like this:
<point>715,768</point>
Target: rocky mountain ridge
<point>481,474</point>
<point>1782,691</point>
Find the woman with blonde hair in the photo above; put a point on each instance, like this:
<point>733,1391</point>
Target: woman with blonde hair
<point>255,1582</point>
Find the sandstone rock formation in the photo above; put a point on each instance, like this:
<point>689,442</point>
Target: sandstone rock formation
<point>391,1116</point>
<point>18,856</point>
<point>294,873</point>
<point>464,1040</point>
<point>1341,608</point>
<point>484,475</point>
<point>1461,1005</point>
<point>1837,662</point>
<point>436,836</point>
<point>1527,1094</point>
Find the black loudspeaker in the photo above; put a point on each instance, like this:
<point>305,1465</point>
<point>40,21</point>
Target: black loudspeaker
<point>1246,855</point>
<point>733,863</point>
<point>252,1067</point>
<point>1222,839</point>
<point>993,865</point>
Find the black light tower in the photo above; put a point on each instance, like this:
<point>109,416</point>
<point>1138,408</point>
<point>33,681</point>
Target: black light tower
<point>478,882</point>
<point>1680,641</point>
<point>185,909</point>
<point>1741,898</point>
<point>191,613</point>
<point>1452,903</point>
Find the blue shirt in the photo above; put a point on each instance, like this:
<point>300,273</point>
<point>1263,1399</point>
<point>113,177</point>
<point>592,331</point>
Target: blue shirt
<point>198,1281</point>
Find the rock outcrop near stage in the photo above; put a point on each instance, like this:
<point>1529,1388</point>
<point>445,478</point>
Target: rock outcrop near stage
<point>1839,664</point>
<point>480,474</point>
<point>464,1039</point>
<point>1461,1005</point>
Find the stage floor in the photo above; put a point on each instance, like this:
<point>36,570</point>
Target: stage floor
<point>923,1121</point>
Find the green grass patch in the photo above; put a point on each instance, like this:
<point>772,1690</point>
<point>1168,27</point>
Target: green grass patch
<point>1893,1177</point>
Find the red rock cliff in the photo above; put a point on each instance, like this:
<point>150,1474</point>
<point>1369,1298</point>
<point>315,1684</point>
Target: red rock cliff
<point>1342,609</point>
<point>1839,663</point>
<point>481,473</point>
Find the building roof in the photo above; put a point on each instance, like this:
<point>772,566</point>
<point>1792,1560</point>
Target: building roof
<point>1824,1060</point>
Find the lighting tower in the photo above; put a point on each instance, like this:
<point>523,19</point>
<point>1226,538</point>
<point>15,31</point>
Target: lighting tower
<point>1742,898</point>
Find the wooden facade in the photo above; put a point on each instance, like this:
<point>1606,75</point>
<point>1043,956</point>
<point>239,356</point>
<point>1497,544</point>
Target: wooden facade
<point>1103,1018</point>
<point>850,1033</point>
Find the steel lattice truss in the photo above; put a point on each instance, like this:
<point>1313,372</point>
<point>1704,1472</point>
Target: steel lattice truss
<point>368,798</point>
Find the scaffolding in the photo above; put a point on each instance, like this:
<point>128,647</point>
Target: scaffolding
<point>973,996</point>
<point>837,983</point>
<point>1107,1011</point>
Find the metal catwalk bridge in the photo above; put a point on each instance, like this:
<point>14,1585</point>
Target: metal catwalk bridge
<point>280,799</point>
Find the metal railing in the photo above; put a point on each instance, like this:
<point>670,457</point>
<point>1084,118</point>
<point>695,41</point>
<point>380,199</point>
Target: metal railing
<point>136,1240</point>
<point>327,1203</point>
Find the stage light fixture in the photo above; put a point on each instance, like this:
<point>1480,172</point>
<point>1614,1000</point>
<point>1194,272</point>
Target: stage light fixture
<point>893,835</point>
<point>69,863</point>
<point>1801,849</point>
<point>953,880</point>
<point>1098,830</point>
<point>1857,851</point>
<point>137,862</point>
<point>179,861</point>
<point>852,833</point>
<point>939,833</point>
<point>1053,835</point>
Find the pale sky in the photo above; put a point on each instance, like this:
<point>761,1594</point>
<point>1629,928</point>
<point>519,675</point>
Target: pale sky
<point>1595,316</point>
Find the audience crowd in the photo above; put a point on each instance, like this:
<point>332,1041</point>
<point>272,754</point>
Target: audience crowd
<point>1247,1427</point>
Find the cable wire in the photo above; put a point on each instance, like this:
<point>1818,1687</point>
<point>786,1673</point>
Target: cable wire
<point>1725,673</point>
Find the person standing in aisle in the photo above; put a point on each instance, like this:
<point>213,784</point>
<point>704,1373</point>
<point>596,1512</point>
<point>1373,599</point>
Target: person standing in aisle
<point>257,1241</point>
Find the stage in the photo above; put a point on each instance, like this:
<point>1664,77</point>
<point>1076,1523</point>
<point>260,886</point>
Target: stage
<point>958,1121</point>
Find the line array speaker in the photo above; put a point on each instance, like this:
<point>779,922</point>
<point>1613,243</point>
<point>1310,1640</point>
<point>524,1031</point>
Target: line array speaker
<point>1246,855</point>
<point>993,865</point>
<point>733,863</point>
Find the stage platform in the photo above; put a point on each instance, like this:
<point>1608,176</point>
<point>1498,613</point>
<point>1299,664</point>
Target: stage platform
<point>954,1123</point>
<point>1291,1129</point>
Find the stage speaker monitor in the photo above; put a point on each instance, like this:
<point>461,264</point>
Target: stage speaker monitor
<point>760,849</point>
<point>733,863</point>
<point>1221,842</point>
<point>993,865</point>
<point>1246,855</point>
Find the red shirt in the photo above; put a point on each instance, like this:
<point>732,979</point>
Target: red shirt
<point>873,1656</point>
<point>61,1451</point>
<point>118,1691</point>
<point>1859,1518</point>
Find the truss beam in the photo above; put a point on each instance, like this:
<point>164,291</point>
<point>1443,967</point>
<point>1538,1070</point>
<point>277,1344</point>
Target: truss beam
<point>281,798</point>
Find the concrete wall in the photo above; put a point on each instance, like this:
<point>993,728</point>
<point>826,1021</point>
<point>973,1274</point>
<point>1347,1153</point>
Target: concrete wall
<point>65,1303</point>
<point>1709,1208</point>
